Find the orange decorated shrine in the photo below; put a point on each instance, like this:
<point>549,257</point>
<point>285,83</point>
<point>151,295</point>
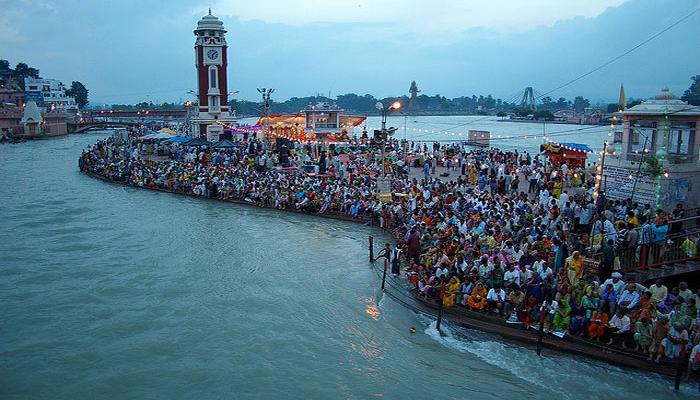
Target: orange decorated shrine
<point>321,121</point>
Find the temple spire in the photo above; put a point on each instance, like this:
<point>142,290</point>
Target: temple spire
<point>622,101</point>
<point>209,10</point>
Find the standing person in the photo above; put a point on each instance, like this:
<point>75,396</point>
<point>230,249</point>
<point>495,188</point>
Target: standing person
<point>413,246</point>
<point>426,169</point>
<point>396,260</point>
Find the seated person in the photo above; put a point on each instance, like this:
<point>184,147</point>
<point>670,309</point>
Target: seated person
<point>562,316</point>
<point>596,327</point>
<point>629,298</point>
<point>496,299</point>
<point>643,334</point>
<point>477,298</point>
<point>618,328</point>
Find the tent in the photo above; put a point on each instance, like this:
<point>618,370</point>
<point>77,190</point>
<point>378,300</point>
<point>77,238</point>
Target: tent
<point>573,154</point>
<point>177,139</point>
<point>168,131</point>
<point>225,144</point>
<point>156,136</point>
<point>197,142</point>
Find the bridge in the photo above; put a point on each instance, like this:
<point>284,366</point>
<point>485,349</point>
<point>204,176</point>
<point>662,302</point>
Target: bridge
<point>176,113</point>
<point>80,127</point>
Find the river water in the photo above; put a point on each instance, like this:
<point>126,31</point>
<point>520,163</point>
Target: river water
<point>120,293</point>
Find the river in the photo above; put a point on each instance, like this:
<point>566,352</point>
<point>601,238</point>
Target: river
<point>120,293</point>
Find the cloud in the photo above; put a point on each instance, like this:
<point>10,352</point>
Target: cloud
<point>415,16</point>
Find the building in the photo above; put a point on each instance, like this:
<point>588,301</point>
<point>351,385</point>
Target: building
<point>11,93</point>
<point>49,94</point>
<point>658,163</point>
<point>210,47</point>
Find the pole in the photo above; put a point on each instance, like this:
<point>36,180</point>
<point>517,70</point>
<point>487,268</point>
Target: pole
<point>405,122</point>
<point>384,113</point>
<point>680,367</point>
<point>371,248</point>
<point>639,168</point>
<point>541,331</point>
<point>386,264</point>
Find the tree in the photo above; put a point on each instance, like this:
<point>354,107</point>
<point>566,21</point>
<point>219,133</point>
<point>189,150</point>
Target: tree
<point>544,115</point>
<point>580,103</point>
<point>23,71</point>
<point>692,95</point>
<point>79,92</point>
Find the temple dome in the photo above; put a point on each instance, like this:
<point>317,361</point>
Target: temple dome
<point>665,94</point>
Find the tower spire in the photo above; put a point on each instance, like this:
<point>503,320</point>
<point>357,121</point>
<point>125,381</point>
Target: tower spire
<point>209,10</point>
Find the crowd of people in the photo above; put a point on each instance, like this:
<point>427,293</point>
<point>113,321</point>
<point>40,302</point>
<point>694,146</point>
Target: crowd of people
<point>499,232</point>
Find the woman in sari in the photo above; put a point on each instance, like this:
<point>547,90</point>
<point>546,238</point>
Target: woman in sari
<point>562,316</point>
<point>574,267</point>
<point>477,298</point>
<point>645,308</point>
<point>596,328</point>
<point>452,289</point>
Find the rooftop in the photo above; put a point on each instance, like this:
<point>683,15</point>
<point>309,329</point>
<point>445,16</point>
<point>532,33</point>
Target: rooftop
<point>664,103</point>
<point>210,23</point>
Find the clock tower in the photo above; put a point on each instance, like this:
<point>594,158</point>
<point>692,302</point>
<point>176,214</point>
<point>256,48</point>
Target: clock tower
<point>211,63</point>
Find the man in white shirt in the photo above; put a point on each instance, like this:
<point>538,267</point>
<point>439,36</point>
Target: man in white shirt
<point>511,277</point>
<point>618,329</point>
<point>496,299</point>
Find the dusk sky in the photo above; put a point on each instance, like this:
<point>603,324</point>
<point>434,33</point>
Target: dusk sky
<point>132,50</point>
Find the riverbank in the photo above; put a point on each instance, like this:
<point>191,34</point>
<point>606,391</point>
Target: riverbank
<point>464,318</point>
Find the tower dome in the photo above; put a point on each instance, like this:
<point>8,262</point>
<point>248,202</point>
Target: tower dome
<point>210,23</point>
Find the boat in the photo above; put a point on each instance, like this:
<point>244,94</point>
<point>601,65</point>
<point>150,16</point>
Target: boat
<point>519,333</point>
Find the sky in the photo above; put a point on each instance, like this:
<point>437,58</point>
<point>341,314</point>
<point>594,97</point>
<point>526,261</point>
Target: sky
<point>129,51</point>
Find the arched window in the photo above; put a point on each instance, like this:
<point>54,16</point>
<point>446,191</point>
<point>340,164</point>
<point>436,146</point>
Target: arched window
<point>212,77</point>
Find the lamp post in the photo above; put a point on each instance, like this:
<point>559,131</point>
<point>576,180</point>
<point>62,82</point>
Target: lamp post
<point>266,104</point>
<point>385,111</point>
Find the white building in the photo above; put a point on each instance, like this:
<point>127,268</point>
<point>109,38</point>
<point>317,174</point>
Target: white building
<point>665,131</point>
<point>49,94</point>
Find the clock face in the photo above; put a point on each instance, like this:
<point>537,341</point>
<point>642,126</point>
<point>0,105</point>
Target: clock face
<point>213,54</point>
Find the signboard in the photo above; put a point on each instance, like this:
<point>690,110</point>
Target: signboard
<point>384,189</point>
<point>619,186</point>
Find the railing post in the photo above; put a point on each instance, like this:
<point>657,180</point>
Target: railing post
<point>386,263</point>
<point>543,313</point>
<point>681,366</point>
<point>371,248</point>
<point>643,256</point>
<point>439,320</point>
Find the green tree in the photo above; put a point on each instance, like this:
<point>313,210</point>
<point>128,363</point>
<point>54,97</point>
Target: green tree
<point>79,92</point>
<point>23,71</point>
<point>580,103</point>
<point>692,95</point>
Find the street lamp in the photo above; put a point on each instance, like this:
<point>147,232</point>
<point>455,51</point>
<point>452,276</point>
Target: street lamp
<point>266,104</point>
<point>385,111</point>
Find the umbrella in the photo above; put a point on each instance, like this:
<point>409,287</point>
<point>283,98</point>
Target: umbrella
<point>168,130</point>
<point>225,144</point>
<point>197,142</point>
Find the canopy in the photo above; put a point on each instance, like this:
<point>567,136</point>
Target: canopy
<point>225,144</point>
<point>197,142</point>
<point>573,154</point>
<point>168,130</point>
<point>177,139</point>
<point>156,135</point>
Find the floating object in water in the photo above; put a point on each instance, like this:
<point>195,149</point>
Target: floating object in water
<point>412,330</point>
